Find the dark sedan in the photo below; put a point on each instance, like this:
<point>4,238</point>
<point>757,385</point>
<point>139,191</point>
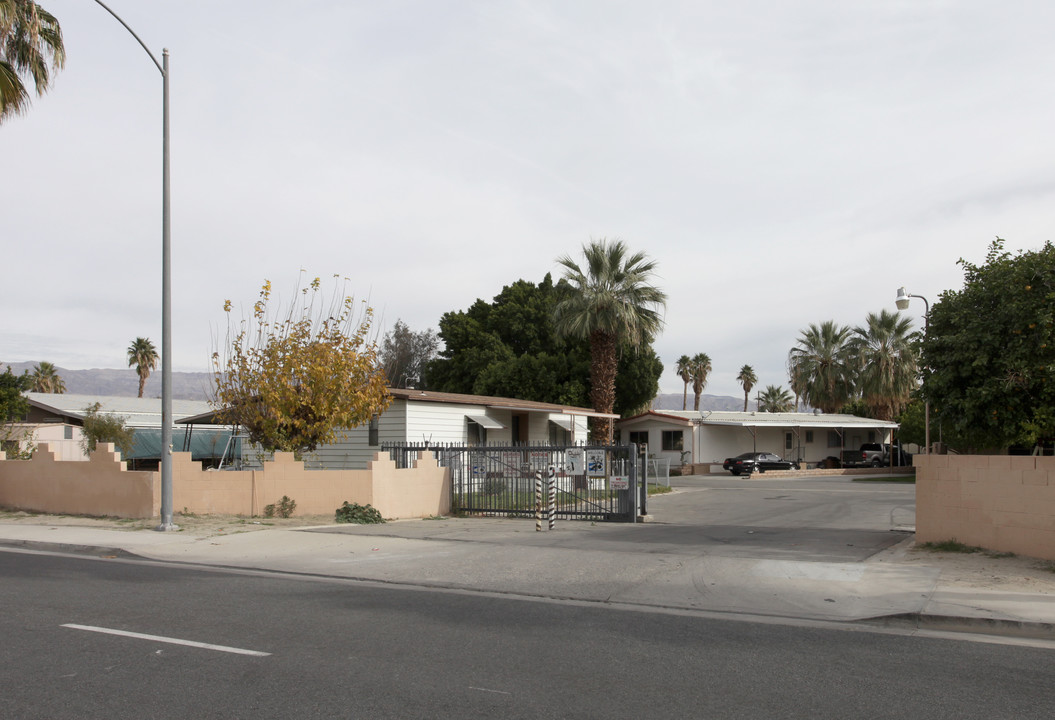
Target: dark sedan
<point>748,463</point>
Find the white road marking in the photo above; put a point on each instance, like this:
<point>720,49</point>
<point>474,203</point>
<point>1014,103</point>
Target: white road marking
<point>173,641</point>
<point>498,692</point>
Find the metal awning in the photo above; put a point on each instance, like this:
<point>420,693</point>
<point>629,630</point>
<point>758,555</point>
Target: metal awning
<point>485,421</point>
<point>561,421</point>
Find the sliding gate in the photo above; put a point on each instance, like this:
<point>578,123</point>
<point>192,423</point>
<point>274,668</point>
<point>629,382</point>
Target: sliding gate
<point>592,482</point>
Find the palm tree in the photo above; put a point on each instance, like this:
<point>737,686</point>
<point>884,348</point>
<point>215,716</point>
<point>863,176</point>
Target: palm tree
<point>747,379</point>
<point>30,42</point>
<point>684,370</point>
<point>46,379</point>
<point>775,399</point>
<point>701,368</point>
<point>887,363</point>
<point>823,363</point>
<point>611,300</point>
<point>142,355</point>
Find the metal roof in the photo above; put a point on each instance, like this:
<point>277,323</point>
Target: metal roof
<point>138,412</point>
<point>766,419</point>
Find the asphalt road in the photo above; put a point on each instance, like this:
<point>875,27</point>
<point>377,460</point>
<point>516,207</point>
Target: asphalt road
<point>337,649</point>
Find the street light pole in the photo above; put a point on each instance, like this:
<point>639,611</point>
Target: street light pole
<point>902,304</point>
<point>166,286</point>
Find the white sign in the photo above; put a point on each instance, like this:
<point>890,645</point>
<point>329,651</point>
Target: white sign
<point>595,463</point>
<point>620,482</point>
<point>575,461</point>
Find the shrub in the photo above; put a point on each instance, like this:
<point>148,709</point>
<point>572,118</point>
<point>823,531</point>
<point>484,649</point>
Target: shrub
<point>358,514</point>
<point>283,509</point>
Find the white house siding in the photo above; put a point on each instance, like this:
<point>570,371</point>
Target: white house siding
<point>655,427</point>
<point>354,451</point>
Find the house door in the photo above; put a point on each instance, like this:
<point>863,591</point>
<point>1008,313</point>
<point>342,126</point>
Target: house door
<point>519,429</point>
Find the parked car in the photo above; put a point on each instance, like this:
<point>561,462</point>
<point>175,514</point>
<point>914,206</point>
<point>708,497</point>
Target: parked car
<point>875,455</point>
<point>748,463</point>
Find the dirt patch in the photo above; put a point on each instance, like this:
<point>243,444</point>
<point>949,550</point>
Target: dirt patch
<point>987,570</point>
<point>191,523</point>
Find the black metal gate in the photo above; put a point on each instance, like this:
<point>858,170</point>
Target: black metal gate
<point>593,482</point>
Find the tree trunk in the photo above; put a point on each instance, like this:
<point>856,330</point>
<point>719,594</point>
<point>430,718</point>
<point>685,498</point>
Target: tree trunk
<point>603,367</point>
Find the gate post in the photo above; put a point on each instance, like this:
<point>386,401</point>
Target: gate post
<point>538,501</point>
<point>552,496</point>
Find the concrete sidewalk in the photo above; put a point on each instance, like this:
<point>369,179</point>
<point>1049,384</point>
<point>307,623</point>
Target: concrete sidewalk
<point>604,563</point>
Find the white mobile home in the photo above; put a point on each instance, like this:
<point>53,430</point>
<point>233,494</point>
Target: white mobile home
<point>701,437</point>
<point>421,416</point>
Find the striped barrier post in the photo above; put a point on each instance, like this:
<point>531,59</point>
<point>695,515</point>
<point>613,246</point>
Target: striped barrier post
<point>552,496</point>
<point>538,502</point>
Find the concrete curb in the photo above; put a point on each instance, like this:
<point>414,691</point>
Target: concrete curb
<point>1000,627</point>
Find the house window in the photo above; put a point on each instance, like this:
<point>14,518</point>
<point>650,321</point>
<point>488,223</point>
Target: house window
<point>871,436</point>
<point>834,439</point>
<point>639,437</point>
<point>809,436</point>
<point>476,434</point>
<point>372,433</point>
<point>558,435</point>
<point>789,441</point>
<point>673,440</point>
<point>67,432</point>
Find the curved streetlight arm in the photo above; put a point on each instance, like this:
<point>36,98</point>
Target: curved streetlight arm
<point>133,32</point>
<point>902,304</point>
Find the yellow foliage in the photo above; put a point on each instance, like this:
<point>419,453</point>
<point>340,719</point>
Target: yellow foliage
<point>294,384</point>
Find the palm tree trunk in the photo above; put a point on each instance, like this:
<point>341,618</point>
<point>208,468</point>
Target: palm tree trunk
<point>603,367</point>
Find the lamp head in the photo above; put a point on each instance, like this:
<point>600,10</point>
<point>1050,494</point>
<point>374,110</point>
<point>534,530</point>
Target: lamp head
<point>902,299</point>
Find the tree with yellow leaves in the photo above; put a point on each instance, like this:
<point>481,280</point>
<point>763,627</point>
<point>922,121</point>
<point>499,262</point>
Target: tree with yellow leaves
<point>299,379</point>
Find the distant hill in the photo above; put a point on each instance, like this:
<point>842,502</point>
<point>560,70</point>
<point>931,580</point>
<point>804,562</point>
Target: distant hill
<point>195,386</point>
<point>125,383</point>
<point>707,402</point>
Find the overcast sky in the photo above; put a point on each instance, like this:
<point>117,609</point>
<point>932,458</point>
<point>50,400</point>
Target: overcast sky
<point>784,162</point>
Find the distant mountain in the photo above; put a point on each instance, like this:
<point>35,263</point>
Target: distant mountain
<point>707,402</point>
<point>125,383</point>
<point>195,386</point>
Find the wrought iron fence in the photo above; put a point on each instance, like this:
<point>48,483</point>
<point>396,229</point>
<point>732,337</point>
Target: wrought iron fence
<point>592,482</point>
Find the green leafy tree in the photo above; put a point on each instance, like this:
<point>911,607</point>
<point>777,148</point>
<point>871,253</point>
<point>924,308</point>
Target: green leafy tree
<point>143,356</point>
<point>405,354</point>
<point>13,402</point>
<point>297,380</point>
<point>775,399</point>
<point>701,368</point>
<point>747,380</point>
<point>611,301</point>
<point>989,353</point>
<point>509,348</point>
<point>683,368</point>
<point>14,440</point>
<point>885,351</point>
<point>101,427</point>
<point>823,364</point>
<point>30,47</point>
<point>46,379</point>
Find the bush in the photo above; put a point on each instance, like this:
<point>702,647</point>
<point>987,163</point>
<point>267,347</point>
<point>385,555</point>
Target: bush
<point>358,514</point>
<point>283,508</point>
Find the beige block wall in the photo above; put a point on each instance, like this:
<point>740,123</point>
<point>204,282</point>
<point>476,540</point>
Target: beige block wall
<point>1000,502</point>
<point>104,487</point>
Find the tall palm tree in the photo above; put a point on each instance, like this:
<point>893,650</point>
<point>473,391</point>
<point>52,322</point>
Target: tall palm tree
<point>823,362</point>
<point>887,363</point>
<point>701,368</point>
<point>611,300</point>
<point>774,399</point>
<point>30,45</point>
<point>684,370</point>
<point>144,357</point>
<point>46,379</point>
<point>747,379</point>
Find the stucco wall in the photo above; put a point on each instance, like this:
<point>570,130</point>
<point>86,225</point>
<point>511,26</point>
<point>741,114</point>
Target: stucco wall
<point>1004,503</point>
<point>103,486</point>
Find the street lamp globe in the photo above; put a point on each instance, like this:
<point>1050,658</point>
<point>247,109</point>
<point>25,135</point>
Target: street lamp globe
<point>902,299</point>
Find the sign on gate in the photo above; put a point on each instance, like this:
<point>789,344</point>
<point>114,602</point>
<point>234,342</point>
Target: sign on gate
<point>620,482</point>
